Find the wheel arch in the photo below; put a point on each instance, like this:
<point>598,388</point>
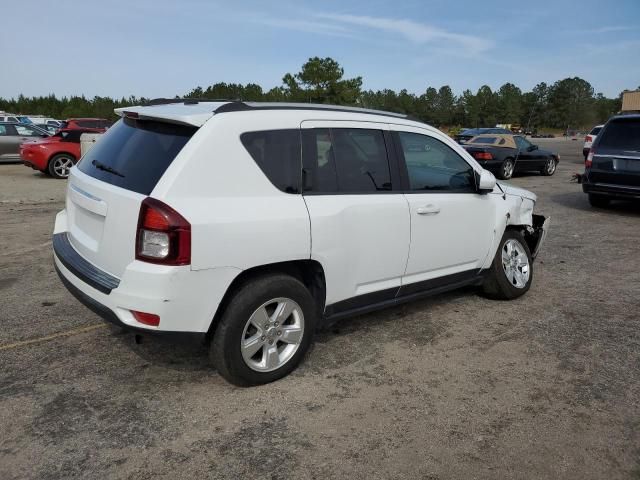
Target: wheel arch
<point>309,272</point>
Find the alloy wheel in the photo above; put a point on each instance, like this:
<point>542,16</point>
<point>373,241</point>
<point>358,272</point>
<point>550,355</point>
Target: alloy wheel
<point>62,166</point>
<point>515,263</point>
<point>272,335</point>
<point>551,166</point>
<point>507,169</point>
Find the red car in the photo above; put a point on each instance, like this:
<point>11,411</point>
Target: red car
<point>54,155</point>
<point>96,124</point>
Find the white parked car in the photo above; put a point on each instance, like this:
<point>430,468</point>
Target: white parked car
<point>589,139</point>
<point>249,224</point>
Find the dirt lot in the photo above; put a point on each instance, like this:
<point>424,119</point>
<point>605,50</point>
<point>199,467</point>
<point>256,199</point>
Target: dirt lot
<point>458,386</point>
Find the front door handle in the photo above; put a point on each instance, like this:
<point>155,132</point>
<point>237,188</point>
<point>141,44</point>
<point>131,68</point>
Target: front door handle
<point>428,210</point>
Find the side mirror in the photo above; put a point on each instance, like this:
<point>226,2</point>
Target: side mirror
<point>486,182</point>
<point>532,148</point>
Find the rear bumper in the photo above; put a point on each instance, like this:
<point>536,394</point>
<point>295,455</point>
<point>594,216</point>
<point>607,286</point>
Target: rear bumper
<point>107,314</point>
<point>185,300</point>
<point>585,151</point>
<point>612,190</point>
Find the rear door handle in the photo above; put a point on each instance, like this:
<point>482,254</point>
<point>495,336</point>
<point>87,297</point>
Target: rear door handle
<point>428,210</point>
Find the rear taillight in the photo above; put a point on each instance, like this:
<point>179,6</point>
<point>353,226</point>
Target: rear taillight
<point>482,156</point>
<point>589,138</point>
<point>164,236</point>
<point>589,161</point>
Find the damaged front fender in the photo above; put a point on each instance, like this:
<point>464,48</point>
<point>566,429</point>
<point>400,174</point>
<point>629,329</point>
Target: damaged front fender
<point>535,234</point>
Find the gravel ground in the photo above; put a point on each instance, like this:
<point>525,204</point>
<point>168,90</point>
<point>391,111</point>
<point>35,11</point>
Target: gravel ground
<point>457,386</point>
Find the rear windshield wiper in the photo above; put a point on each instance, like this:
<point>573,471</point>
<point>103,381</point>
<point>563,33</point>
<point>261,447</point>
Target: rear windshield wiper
<point>106,168</point>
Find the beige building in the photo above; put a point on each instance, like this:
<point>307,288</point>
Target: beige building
<point>631,100</point>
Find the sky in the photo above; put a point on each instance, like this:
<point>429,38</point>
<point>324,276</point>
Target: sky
<point>161,48</point>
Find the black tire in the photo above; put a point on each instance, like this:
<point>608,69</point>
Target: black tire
<point>54,168</point>
<point>599,201</point>
<point>549,167</point>
<point>506,169</point>
<point>497,285</point>
<point>225,351</point>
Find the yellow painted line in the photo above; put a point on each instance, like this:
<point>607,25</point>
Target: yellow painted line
<point>68,333</point>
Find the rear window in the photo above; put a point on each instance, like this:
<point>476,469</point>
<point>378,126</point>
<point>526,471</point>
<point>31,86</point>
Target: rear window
<point>621,134</point>
<point>595,131</point>
<point>134,154</point>
<point>484,140</point>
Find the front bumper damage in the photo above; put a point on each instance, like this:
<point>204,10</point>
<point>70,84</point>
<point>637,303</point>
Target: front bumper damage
<point>536,233</point>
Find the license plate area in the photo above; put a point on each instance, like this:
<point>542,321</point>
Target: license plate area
<point>85,227</point>
<point>626,165</point>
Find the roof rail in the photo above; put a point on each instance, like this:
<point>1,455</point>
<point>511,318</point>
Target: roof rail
<point>186,101</point>
<point>239,106</point>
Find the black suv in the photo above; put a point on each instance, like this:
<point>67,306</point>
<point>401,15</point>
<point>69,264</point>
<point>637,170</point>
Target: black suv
<point>612,169</point>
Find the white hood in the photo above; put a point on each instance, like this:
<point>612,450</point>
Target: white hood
<point>517,191</point>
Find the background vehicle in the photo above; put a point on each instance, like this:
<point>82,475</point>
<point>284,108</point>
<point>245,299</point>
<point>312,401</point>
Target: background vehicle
<point>589,139</point>
<point>96,124</point>
<point>274,217</point>
<point>506,154</point>
<point>13,134</point>
<point>47,128</point>
<point>9,118</point>
<point>467,135</point>
<point>54,155</point>
<point>612,168</point>
<point>42,120</point>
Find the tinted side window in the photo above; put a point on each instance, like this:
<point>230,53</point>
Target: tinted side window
<point>621,134</point>
<point>277,153</point>
<point>433,166</point>
<point>10,130</point>
<point>25,131</point>
<point>521,143</point>
<point>347,160</point>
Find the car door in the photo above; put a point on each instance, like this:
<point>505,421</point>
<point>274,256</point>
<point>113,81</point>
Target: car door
<point>9,143</point>
<point>359,217</point>
<point>529,158</point>
<point>452,226</point>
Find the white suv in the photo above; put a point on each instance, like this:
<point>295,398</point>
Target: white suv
<point>250,224</point>
<point>589,139</point>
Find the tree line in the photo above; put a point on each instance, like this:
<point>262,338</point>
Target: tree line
<point>568,103</point>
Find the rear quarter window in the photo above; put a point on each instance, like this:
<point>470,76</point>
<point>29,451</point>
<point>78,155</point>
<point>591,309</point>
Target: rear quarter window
<point>134,154</point>
<point>278,154</point>
<point>621,134</point>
